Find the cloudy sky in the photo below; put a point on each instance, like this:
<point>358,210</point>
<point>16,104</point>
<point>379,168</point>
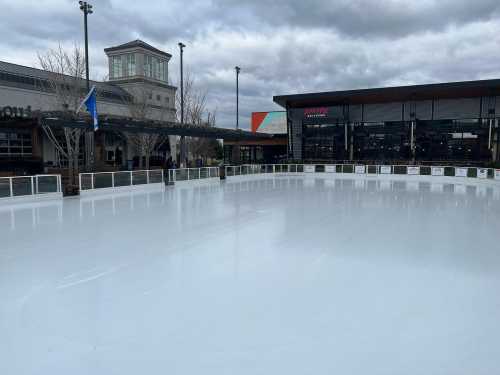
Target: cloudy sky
<point>283,46</point>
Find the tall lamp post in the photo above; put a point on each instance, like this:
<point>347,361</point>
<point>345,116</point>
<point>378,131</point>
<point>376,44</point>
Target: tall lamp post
<point>86,8</point>
<point>238,69</point>
<point>236,153</point>
<point>183,138</point>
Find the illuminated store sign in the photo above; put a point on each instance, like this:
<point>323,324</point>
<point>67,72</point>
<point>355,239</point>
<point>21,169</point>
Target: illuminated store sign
<point>316,112</point>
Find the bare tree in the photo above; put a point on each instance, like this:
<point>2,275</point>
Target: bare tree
<point>205,148</point>
<point>197,114</point>
<point>146,143</point>
<point>66,70</point>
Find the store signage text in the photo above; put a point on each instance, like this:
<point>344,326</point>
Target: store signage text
<point>10,112</point>
<point>316,112</point>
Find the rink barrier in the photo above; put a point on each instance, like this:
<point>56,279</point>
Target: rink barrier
<point>37,186</point>
<point>189,174</point>
<point>360,169</point>
<point>120,180</point>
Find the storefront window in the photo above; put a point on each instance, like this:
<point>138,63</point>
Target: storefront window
<point>245,154</point>
<point>324,142</point>
<point>15,144</point>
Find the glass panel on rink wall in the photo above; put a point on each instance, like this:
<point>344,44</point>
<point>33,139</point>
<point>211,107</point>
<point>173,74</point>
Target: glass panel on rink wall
<point>204,172</point>
<point>103,180</point>
<point>4,187</point>
<point>139,178</point>
<point>22,186</point>
<point>47,184</point>
<point>183,174</point>
<point>86,181</point>
<point>123,179</point>
<point>188,174</point>
<point>155,176</point>
<point>106,180</point>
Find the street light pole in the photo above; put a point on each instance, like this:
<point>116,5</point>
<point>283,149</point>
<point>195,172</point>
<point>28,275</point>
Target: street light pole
<point>236,148</point>
<point>183,138</point>
<point>238,69</point>
<point>86,8</point>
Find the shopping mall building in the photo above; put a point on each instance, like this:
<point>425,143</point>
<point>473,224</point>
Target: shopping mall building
<point>138,73</point>
<point>439,123</point>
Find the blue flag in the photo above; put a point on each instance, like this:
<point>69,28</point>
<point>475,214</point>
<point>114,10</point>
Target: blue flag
<point>90,102</point>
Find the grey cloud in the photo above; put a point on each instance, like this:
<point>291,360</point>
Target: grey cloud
<point>368,18</point>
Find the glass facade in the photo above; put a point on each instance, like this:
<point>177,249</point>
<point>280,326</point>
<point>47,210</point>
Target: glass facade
<point>452,140</point>
<point>434,140</point>
<point>388,141</point>
<point>324,141</point>
<point>15,144</point>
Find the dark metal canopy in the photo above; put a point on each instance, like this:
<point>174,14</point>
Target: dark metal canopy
<point>451,90</point>
<point>61,120</point>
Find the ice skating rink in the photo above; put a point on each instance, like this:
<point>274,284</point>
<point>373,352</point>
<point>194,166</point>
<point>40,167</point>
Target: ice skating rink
<point>255,275</point>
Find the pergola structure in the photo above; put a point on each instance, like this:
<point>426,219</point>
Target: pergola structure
<point>62,120</point>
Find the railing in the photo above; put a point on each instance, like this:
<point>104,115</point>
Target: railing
<point>187,174</point>
<point>358,169</point>
<point>25,186</point>
<point>120,179</point>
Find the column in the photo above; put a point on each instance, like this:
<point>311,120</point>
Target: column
<point>351,143</point>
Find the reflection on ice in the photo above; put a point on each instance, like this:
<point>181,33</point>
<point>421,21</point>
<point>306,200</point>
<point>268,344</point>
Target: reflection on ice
<point>33,214</point>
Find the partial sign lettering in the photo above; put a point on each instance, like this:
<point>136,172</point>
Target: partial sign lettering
<point>437,171</point>
<point>413,170</point>
<point>482,173</point>
<point>385,169</point>
<point>359,169</point>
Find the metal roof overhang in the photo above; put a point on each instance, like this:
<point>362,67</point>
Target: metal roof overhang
<point>450,90</point>
<point>165,128</point>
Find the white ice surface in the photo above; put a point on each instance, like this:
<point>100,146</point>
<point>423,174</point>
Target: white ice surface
<point>260,275</point>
